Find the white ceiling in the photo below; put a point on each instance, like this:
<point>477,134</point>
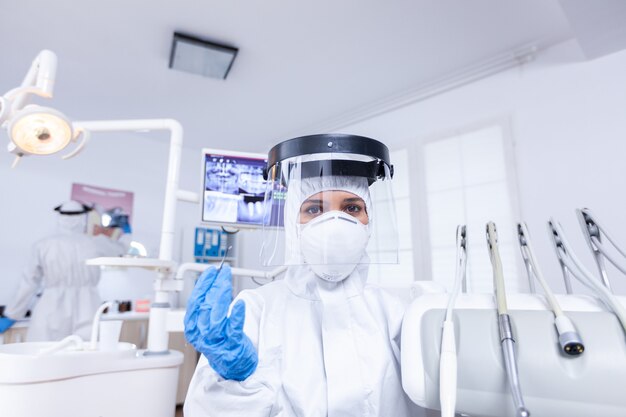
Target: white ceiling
<point>300,63</point>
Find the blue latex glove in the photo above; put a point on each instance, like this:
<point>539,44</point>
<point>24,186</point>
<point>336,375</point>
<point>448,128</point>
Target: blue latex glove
<point>5,323</point>
<point>214,334</point>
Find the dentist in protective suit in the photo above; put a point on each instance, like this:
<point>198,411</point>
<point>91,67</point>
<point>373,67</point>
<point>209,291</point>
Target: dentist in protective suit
<point>56,269</point>
<point>321,342</point>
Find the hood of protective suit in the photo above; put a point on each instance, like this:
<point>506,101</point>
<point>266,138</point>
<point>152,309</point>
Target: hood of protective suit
<point>300,277</point>
<point>71,217</point>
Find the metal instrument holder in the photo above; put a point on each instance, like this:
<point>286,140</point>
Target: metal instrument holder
<point>527,263</point>
<point>462,256</point>
<point>593,235</point>
<point>558,245</point>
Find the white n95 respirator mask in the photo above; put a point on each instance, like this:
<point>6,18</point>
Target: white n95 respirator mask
<point>333,244</point>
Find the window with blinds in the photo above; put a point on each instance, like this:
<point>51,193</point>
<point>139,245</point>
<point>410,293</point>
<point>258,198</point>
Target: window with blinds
<point>469,180</point>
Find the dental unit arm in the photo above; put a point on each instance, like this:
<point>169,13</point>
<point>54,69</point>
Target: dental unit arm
<point>593,231</point>
<point>569,339</point>
<point>448,359</point>
<point>507,340</point>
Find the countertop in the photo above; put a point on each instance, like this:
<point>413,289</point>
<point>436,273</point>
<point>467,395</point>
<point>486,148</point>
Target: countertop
<point>128,315</point>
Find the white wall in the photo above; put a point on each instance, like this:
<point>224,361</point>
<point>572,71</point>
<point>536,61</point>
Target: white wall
<point>130,162</point>
<point>568,123</point>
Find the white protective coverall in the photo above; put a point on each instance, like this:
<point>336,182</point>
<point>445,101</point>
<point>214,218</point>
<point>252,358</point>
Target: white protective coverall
<point>325,348</point>
<point>69,297</point>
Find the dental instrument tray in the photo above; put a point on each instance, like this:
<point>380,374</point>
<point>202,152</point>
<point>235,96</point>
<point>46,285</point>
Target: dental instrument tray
<point>555,384</point>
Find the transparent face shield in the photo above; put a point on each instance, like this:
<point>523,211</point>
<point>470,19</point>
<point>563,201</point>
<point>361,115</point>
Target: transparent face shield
<point>329,209</point>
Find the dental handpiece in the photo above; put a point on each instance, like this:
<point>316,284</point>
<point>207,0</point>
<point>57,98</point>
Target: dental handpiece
<point>507,340</point>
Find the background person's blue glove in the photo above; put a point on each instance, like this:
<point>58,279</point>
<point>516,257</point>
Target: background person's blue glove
<point>214,334</point>
<point>5,323</point>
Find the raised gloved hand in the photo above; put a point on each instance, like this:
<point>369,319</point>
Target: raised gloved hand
<point>213,333</point>
<point>5,323</point>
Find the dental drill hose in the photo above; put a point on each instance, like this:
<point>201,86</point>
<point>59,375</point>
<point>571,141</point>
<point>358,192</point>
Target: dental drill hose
<point>569,339</point>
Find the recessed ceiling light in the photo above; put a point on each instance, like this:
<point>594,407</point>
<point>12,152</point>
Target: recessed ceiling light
<point>201,57</point>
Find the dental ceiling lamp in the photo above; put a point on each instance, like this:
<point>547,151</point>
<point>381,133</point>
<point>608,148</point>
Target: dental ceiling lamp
<point>37,130</point>
<point>34,129</point>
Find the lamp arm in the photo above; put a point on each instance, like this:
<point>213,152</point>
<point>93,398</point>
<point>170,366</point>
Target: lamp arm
<point>157,334</point>
<point>173,168</point>
<point>38,80</point>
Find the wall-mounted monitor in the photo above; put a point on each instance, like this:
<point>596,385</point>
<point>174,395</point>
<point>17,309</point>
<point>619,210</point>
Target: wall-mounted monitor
<point>234,189</point>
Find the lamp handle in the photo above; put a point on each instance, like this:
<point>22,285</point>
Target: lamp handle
<point>16,161</point>
<point>86,136</point>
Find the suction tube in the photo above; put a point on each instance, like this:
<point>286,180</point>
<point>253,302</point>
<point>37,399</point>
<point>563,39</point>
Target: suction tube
<point>448,360</point>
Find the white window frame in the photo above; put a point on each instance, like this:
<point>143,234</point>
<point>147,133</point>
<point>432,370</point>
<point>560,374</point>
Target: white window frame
<point>422,243</point>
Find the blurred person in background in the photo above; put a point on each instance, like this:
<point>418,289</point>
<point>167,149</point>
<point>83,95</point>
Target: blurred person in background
<point>56,284</point>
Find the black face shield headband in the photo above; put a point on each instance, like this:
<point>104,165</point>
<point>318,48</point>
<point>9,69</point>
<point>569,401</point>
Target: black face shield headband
<point>330,143</point>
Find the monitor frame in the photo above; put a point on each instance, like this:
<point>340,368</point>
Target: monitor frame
<point>225,153</point>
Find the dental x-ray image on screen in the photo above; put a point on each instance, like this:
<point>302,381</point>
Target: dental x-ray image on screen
<point>234,188</point>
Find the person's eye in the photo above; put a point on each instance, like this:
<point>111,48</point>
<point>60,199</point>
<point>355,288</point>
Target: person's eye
<point>313,210</point>
<point>353,208</point>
